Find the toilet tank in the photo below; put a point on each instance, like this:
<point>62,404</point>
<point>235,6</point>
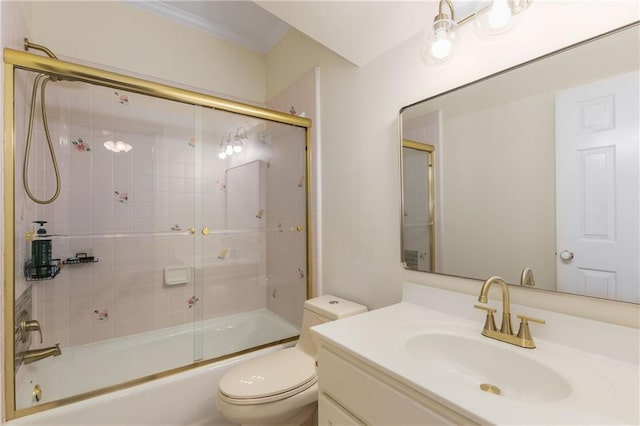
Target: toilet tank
<point>320,310</point>
<point>333,308</point>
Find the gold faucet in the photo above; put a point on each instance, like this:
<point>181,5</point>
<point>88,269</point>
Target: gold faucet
<point>37,354</point>
<point>505,334</point>
<point>526,279</point>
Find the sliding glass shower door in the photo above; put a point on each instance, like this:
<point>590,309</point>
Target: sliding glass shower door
<point>179,235</point>
<point>252,253</point>
<point>118,272</point>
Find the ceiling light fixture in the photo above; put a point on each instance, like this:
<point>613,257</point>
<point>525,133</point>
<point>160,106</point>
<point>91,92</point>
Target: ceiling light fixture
<point>494,18</point>
<point>231,144</point>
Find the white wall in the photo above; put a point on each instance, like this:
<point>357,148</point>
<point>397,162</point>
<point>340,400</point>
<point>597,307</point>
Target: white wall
<point>117,35</point>
<point>361,223</point>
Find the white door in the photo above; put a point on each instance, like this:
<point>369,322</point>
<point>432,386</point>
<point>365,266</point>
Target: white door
<point>598,188</point>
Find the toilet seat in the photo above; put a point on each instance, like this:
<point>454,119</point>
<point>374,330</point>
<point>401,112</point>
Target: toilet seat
<point>269,378</point>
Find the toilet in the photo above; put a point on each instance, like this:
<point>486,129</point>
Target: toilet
<point>281,388</point>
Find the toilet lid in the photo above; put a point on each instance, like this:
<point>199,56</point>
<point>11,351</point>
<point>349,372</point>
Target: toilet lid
<point>268,375</point>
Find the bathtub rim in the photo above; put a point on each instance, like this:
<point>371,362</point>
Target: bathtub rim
<point>18,413</point>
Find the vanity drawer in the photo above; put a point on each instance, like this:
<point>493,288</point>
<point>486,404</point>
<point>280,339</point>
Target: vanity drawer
<point>373,397</point>
<point>331,413</point>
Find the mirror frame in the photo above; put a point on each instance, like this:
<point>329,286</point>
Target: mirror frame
<point>480,80</point>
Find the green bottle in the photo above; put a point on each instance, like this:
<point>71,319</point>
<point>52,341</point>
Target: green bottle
<point>41,247</point>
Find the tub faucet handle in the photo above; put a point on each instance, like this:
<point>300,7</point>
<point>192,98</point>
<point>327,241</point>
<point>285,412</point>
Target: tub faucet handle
<point>33,325</point>
<point>27,326</point>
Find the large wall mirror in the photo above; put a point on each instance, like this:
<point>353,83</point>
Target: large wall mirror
<point>536,175</point>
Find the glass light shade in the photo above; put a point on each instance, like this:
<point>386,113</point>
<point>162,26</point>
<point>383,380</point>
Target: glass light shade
<point>237,144</point>
<point>229,149</point>
<point>496,19</point>
<point>439,42</point>
<point>222,155</point>
<point>519,6</point>
<point>118,146</point>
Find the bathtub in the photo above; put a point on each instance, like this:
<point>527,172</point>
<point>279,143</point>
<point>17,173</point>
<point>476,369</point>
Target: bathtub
<point>186,398</point>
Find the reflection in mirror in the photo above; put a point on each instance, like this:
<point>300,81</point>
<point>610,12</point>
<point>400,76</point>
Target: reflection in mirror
<point>538,169</point>
<point>418,209</point>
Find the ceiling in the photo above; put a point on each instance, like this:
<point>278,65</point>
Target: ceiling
<point>241,22</point>
<point>359,31</point>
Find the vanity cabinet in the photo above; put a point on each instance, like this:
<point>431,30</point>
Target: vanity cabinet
<point>352,392</point>
<point>331,413</point>
<point>409,364</point>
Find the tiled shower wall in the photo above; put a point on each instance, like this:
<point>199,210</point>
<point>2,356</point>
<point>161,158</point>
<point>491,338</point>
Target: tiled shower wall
<point>133,212</point>
<point>287,281</point>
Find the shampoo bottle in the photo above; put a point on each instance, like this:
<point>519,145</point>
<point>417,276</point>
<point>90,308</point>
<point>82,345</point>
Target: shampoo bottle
<point>41,246</point>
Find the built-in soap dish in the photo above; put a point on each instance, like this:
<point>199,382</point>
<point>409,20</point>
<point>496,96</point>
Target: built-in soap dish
<point>176,275</point>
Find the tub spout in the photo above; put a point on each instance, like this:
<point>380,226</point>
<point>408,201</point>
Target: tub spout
<point>38,354</point>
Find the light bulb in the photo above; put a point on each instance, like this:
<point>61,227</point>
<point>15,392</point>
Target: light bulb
<point>499,14</point>
<point>123,146</point>
<point>237,148</point>
<point>441,46</point>
<point>229,149</point>
<point>439,42</point>
<point>222,155</point>
<point>118,146</point>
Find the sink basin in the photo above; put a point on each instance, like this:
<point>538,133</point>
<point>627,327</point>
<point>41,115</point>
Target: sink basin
<point>472,363</point>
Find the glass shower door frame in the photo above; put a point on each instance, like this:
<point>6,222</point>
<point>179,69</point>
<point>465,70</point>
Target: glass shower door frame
<point>20,60</point>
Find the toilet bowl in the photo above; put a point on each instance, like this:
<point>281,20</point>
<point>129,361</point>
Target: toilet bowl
<point>281,388</point>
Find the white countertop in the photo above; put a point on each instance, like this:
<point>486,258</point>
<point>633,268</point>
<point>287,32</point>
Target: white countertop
<point>604,390</point>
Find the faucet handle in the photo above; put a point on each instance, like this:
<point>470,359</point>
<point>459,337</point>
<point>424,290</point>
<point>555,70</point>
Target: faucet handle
<point>27,326</point>
<point>489,309</point>
<point>489,322</point>
<point>525,318</point>
<point>33,325</point>
<point>524,334</point>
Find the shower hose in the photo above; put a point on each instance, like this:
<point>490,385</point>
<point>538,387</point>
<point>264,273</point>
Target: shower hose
<point>41,80</point>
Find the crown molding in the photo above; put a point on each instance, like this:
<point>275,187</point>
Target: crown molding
<point>263,45</point>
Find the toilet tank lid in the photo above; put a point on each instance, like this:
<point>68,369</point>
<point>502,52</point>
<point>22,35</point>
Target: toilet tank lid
<point>333,307</point>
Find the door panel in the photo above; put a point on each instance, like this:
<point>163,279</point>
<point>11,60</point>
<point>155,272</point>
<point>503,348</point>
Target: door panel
<point>598,188</point>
